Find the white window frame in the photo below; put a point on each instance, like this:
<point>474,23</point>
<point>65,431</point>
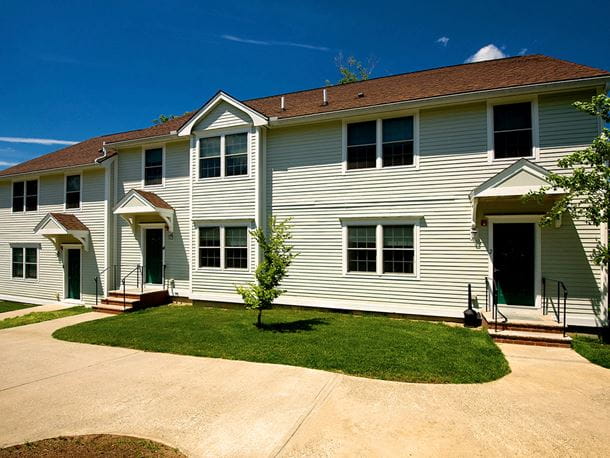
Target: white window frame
<point>533,100</point>
<point>24,181</point>
<point>248,224</point>
<point>163,165</point>
<point>222,134</point>
<point>80,191</point>
<point>378,223</point>
<point>379,141</point>
<point>23,246</point>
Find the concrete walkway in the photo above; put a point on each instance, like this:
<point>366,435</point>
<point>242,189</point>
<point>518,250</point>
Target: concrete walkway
<point>34,308</point>
<point>553,403</point>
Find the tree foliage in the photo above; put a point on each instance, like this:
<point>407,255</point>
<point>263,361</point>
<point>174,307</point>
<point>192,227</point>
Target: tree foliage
<point>162,119</point>
<point>352,69</point>
<point>277,254</point>
<point>587,182</point>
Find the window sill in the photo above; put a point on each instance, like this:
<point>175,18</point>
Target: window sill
<point>26,280</point>
<point>387,167</point>
<point>223,270</point>
<point>385,276</point>
<point>223,178</point>
<point>513,158</point>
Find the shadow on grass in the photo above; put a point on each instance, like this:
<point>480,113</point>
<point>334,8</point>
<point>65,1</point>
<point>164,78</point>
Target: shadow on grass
<point>294,326</point>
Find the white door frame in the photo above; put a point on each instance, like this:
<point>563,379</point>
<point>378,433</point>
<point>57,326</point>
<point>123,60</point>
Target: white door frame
<point>143,228</point>
<point>65,249</point>
<point>535,219</point>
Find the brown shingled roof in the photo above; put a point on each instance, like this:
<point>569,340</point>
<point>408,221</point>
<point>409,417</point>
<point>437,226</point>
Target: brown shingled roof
<point>70,222</point>
<point>154,199</point>
<point>457,79</point>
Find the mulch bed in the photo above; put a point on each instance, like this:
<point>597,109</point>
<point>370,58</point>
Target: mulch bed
<point>94,445</point>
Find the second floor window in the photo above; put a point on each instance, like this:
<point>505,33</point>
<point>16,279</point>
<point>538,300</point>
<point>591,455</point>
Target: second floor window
<point>512,126</point>
<point>362,145</point>
<point>25,196</point>
<point>153,166</point>
<point>73,191</point>
<point>397,141</point>
<point>224,155</point>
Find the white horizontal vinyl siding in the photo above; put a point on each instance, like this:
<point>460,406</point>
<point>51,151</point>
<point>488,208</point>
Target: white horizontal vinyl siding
<point>175,192</point>
<point>223,200</point>
<point>18,228</point>
<point>305,182</point>
<point>222,116</point>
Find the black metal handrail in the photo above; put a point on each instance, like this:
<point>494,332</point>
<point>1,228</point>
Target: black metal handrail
<point>491,298</point>
<point>562,293</point>
<point>123,280</point>
<point>97,282</point>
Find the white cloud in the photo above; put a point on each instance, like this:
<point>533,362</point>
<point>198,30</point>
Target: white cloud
<point>273,43</point>
<point>7,164</point>
<point>443,41</point>
<point>37,141</point>
<point>523,51</point>
<point>488,52</point>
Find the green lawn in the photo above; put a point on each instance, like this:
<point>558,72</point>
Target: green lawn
<point>593,349</point>
<point>368,346</point>
<point>37,317</point>
<point>6,306</point>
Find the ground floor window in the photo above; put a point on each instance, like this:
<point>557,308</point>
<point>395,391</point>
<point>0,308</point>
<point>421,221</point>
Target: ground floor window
<point>24,262</point>
<point>225,246</point>
<point>381,248</point>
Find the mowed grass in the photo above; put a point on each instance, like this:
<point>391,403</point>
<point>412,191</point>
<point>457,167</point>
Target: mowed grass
<point>593,349</point>
<point>7,306</point>
<point>37,317</point>
<point>367,346</point>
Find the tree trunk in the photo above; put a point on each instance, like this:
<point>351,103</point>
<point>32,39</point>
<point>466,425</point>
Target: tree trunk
<point>259,322</point>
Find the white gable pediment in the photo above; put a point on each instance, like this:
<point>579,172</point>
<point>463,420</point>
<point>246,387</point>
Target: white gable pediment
<point>222,110</point>
<point>516,180</point>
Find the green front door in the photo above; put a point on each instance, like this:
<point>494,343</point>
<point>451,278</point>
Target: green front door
<point>513,260</point>
<point>153,256</point>
<point>73,273</point>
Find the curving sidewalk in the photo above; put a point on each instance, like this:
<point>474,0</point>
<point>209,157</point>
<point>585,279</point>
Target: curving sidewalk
<point>553,403</point>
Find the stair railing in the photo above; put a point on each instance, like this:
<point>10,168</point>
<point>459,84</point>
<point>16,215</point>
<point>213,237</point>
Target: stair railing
<point>98,282</point>
<point>491,300</point>
<point>562,294</point>
<point>124,279</point>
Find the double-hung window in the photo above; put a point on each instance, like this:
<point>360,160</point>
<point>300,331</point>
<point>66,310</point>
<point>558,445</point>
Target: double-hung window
<point>209,247</point>
<point>24,262</point>
<point>512,130</point>
<point>380,143</point>
<point>236,248</point>
<point>397,141</point>
<point>25,196</point>
<point>236,154</point>
<point>153,166</point>
<point>362,145</point>
<point>225,247</point>
<point>73,191</point>
<point>224,155</point>
<point>381,249</point>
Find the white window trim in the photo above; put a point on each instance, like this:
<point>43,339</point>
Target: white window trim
<point>248,224</point>
<point>535,127</point>
<point>65,249</point>
<point>163,166</point>
<point>23,246</point>
<point>80,192</point>
<point>25,180</point>
<point>379,141</point>
<point>378,223</point>
<point>222,134</point>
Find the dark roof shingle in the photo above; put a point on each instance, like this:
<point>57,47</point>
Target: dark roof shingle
<point>457,79</point>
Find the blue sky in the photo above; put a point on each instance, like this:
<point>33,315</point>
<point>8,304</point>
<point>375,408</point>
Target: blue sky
<point>73,70</point>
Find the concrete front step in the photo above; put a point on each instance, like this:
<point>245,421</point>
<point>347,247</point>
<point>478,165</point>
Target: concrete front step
<point>539,323</point>
<point>112,308</point>
<point>530,338</point>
